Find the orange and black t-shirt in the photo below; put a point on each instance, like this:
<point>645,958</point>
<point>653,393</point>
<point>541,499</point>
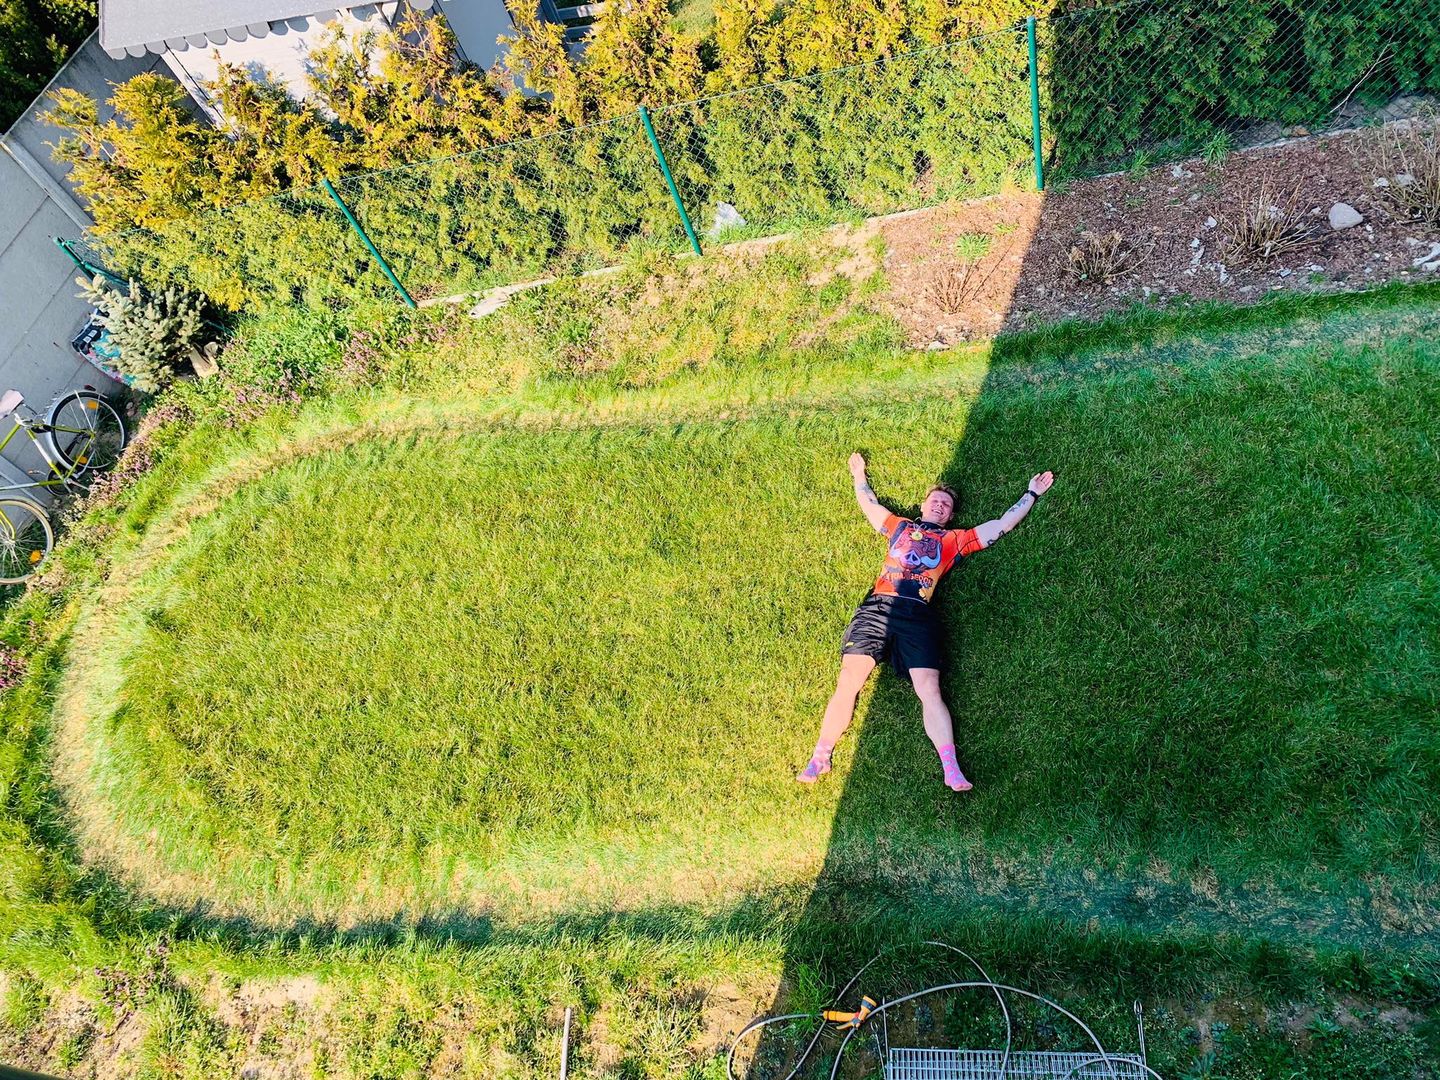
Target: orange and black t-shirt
<point>919,555</point>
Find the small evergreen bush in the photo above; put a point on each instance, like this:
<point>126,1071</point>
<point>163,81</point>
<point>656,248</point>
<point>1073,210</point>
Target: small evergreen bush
<point>152,331</point>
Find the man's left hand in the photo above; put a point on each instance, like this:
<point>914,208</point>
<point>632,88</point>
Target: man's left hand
<point>1040,482</point>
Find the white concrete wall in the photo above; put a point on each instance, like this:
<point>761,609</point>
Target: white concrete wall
<point>280,57</point>
<point>476,24</point>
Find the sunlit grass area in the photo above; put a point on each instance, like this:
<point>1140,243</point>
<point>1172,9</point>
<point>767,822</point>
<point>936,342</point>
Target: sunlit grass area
<point>523,670</point>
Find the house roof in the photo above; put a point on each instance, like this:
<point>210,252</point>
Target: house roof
<point>135,27</point>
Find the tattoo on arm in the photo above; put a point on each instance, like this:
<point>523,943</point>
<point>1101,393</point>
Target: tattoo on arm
<point>870,504</point>
<point>1026,501</point>
<point>1006,522</point>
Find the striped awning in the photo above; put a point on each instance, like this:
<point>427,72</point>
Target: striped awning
<point>137,27</point>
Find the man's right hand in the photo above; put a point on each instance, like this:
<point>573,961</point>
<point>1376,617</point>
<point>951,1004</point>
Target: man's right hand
<point>865,496</point>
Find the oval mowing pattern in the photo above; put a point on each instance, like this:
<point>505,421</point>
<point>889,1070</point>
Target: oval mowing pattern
<point>542,667</point>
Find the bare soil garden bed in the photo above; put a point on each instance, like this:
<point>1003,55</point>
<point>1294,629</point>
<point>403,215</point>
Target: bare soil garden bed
<point>965,271</point>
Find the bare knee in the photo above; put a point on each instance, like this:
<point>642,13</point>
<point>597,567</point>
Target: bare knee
<point>852,676</point>
<point>927,685</point>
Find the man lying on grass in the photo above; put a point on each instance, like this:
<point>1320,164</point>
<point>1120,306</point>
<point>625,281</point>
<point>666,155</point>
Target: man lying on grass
<point>895,622</point>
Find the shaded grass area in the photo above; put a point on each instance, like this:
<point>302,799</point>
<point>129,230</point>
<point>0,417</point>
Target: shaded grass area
<point>1209,658</point>
<point>658,993</point>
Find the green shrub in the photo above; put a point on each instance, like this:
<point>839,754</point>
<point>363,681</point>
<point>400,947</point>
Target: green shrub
<point>1170,76</point>
<point>1129,84</point>
<point>289,249</point>
<point>35,39</point>
<point>290,347</point>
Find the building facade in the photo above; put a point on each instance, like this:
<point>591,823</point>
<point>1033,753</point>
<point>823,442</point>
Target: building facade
<point>273,38</point>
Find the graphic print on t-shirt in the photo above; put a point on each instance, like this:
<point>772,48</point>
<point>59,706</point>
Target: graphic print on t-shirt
<point>919,555</point>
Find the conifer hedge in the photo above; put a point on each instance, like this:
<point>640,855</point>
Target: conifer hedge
<point>920,127</point>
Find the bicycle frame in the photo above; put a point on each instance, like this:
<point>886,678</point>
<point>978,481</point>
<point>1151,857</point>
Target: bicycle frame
<point>62,476</point>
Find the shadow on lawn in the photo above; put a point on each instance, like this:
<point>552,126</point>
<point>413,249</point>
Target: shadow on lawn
<point>885,877</point>
<point>877,868</point>
<point>892,805</point>
<point>1178,692</point>
<point>894,801</point>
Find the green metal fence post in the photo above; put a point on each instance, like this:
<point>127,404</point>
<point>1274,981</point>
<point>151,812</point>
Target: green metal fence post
<point>64,246</point>
<point>330,188</point>
<point>1035,105</point>
<point>669,180</point>
<point>90,268</point>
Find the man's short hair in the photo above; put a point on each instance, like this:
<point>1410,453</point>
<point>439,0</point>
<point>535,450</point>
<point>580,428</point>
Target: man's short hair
<point>954,493</point>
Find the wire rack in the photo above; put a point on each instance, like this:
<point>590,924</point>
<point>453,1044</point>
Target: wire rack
<point>920,1064</point>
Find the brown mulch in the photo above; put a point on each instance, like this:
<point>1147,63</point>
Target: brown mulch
<point>1177,217</point>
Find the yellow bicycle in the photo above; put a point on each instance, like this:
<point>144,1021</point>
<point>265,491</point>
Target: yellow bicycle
<point>81,434</point>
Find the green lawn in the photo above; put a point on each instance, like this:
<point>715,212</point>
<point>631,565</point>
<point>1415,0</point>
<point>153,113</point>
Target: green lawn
<point>537,666</point>
<point>361,736</point>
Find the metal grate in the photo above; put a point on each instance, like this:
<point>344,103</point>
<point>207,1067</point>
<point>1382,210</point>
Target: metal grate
<point>916,1064</point>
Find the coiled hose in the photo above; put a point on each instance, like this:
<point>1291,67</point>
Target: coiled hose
<point>1102,1056</point>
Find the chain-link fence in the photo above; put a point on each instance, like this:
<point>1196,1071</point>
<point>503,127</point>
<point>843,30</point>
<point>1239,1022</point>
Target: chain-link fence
<point>1171,80</point>
<point>871,139</point>
<point>1108,88</point>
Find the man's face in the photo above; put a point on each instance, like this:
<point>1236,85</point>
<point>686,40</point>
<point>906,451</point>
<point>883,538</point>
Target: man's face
<point>938,507</point>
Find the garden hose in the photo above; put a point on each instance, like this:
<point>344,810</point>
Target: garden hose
<point>1102,1055</point>
<point>855,1019</point>
<point>852,1022</point>
<point>846,1018</point>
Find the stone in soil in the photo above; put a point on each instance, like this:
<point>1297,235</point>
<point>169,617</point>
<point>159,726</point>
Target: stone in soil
<point>1430,260</point>
<point>726,217</point>
<point>1344,216</point>
<point>1028,272</point>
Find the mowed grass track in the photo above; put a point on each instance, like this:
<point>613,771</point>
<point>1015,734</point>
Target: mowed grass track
<point>521,671</point>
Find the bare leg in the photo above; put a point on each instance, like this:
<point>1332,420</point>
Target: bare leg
<point>938,724</point>
<point>854,670</point>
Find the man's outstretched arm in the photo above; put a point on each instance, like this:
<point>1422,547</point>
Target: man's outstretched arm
<point>865,495</point>
<point>991,531</point>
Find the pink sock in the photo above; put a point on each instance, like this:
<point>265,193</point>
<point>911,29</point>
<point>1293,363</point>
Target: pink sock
<point>954,778</point>
<point>818,765</point>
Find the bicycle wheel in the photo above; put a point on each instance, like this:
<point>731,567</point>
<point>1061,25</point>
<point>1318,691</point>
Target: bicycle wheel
<point>86,431</point>
<point>25,539</point>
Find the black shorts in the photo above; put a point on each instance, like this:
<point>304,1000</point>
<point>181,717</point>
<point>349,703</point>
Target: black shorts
<point>897,630</point>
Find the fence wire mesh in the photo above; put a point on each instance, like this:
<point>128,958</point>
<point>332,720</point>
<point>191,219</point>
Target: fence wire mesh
<point>1120,86</point>
<point>866,140</point>
<point>1145,81</point>
<point>561,203</point>
<point>294,246</point>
